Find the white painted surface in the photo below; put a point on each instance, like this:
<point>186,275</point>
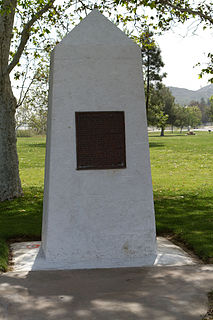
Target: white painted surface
<point>26,256</point>
<point>97,218</point>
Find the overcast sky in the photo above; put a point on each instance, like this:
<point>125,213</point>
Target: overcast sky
<point>181,51</point>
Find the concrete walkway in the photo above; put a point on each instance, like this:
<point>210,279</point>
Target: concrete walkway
<point>160,292</point>
<point>149,293</point>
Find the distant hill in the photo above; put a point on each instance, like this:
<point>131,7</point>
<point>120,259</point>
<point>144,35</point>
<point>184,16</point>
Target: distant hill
<point>185,96</point>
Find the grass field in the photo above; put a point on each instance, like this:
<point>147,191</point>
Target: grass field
<point>182,172</point>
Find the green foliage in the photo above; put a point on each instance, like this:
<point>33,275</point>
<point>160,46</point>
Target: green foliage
<point>189,116</point>
<point>162,120</point>
<point>163,111</point>
<point>211,109</point>
<point>193,115</point>
<point>161,108</point>
<point>204,108</point>
<point>209,69</point>
<point>152,63</point>
<point>151,55</point>
<point>181,117</point>
<point>180,10</point>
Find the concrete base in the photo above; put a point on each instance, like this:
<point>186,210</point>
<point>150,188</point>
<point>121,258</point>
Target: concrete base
<point>28,256</point>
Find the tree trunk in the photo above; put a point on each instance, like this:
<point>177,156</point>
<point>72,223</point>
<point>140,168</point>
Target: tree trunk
<point>10,184</point>
<point>162,132</point>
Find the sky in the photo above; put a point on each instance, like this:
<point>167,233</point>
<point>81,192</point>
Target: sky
<point>181,50</point>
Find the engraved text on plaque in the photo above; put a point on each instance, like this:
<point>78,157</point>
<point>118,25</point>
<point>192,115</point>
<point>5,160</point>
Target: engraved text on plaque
<point>100,140</point>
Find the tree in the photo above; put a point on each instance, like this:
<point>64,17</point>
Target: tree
<point>188,116</point>
<point>211,109</point>
<point>209,68</point>
<point>32,110</point>
<point>168,11</point>
<point>22,116</point>
<point>35,17</point>
<point>152,63</point>
<point>181,117</point>
<point>204,108</point>
<point>37,100</point>
<point>14,37</point>
<point>38,120</point>
<point>180,10</point>
<point>161,107</point>
<point>162,122</point>
<point>193,115</point>
<point>33,113</point>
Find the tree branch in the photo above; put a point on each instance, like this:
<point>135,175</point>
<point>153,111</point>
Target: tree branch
<point>204,16</point>
<point>22,98</point>
<point>26,34</point>
<point>204,12</point>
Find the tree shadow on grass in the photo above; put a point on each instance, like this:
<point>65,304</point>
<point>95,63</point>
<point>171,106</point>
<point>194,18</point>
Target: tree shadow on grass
<point>37,145</point>
<point>188,217</point>
<point>156,145</point>
<point>22,217</point>
<point>166,135</point>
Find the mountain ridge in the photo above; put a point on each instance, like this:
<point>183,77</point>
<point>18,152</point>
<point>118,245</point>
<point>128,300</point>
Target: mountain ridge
<point>185,96</point>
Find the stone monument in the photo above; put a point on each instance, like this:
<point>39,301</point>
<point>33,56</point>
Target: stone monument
<point>98,201</point>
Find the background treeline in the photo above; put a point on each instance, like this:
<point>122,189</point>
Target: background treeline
<point>160,103</point>
<point>163,111</point>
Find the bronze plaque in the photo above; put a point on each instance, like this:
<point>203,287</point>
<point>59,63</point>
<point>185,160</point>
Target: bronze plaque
<point>100,140</point>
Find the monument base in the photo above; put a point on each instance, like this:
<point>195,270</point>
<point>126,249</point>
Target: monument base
<point>41,263</point>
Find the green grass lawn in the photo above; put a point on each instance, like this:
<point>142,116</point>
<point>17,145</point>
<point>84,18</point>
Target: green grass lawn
<point>182,173</point>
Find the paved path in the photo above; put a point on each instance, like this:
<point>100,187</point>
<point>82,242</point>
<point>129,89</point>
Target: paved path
<point>150,293</point>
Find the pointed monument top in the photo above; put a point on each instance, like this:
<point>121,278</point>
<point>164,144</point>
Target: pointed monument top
<point>96,29</point>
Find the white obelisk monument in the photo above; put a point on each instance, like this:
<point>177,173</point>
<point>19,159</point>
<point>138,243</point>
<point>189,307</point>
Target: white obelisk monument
<point>98,200</point>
